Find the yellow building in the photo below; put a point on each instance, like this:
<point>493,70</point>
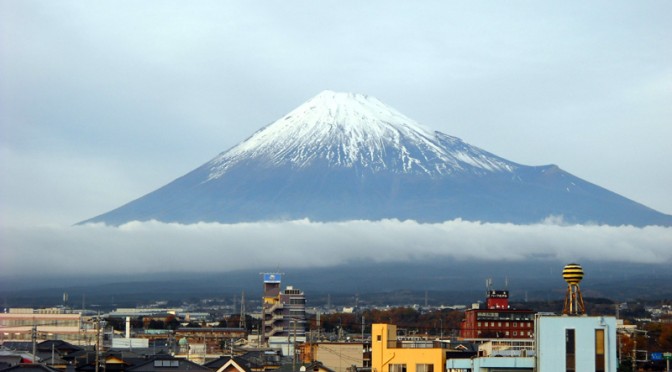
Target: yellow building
<point>389,353</point>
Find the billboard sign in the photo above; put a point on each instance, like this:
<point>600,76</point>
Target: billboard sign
<point>498,294</point>
<point>272,277</point>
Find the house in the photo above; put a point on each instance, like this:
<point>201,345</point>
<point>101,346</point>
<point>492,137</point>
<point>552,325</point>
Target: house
<point>168,364</point>
<point>236,364</point>
<point>257,361</point>
<point>338,356</point>
<point>30,367</point>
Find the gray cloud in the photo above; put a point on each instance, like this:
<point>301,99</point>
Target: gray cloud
<point>155,247</point>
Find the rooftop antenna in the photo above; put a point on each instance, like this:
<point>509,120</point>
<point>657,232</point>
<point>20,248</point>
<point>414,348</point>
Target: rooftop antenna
<point>488,284</point>
<point>235,304</point>
<point>506,282</point>
<point>573,273</point>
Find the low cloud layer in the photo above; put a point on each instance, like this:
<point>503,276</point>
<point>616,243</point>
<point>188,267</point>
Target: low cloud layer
<point>154,247</point>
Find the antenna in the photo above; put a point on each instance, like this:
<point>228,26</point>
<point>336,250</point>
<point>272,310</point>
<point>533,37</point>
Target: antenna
<point>235,304</point>
<point>506,282</point>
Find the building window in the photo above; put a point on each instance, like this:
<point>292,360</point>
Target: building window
<point>424,368</point>
<point>515,324</point>
<point>570,350</point>
<point>599,350</point>
<point>397,368</point>
<point>515,333</point>
<point>507,333</point>
<point>479,324</point>
<point>499,324</point>
<point>167,363</point>
<point>378,338</point>
<point>507,324</point>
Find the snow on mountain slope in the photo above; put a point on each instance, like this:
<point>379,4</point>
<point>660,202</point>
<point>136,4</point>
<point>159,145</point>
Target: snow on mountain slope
<point>343,156</point>
<point>350,130</point>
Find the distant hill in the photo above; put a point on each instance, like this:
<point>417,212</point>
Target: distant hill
<point>342,156</point>
<point>441,282</point>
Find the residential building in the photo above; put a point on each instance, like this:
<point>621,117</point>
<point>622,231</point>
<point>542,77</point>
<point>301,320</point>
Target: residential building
<point>214,339</point>
<point>255,361</point>
<point>55,324</point>
<point>391,353</point>
<point>166,363</point>
<point>284,311</point>
<point>338,356</point>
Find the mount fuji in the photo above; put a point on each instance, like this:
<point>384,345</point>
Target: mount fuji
<point>343,156</point>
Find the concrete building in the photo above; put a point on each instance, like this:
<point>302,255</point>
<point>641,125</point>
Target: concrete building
<point>338,356</point>
<point>496,319</point>
<point>561,343</point>
<point>576,343</point>
<point>55,324</point>
<point>284,311</point>
<point>390,353</point>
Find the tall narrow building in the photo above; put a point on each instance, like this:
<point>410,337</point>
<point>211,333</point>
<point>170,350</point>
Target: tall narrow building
<point>284,311</point>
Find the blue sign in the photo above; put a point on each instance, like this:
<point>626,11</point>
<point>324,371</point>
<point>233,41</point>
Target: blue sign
<point>656,356</point>
<point>272,278</point>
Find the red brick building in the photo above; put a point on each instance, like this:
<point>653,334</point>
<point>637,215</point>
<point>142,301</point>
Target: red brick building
<point>496,319</point>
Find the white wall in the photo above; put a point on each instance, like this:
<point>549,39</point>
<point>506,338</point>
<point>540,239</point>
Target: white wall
<point>550,338</point>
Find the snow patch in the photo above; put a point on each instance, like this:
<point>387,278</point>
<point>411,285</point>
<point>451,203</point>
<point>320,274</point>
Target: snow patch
<point>347,130</point>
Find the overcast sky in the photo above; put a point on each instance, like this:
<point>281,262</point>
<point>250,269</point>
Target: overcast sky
<point>103,102</point>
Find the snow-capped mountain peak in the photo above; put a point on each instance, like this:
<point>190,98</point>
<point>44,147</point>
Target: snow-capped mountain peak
<point>344,156</point>
<point>355,130</point>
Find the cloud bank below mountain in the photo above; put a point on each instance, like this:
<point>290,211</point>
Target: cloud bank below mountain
<point>156,247</point>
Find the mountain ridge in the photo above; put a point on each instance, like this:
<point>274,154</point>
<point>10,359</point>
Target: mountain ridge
<point>344,156</point>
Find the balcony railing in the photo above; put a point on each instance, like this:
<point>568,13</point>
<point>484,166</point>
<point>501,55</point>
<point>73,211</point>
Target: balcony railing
<point>414,344</point>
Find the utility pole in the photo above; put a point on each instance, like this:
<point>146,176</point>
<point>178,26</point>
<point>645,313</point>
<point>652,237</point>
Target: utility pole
<point>98,342</point>
<point>441,327</point>
<point>33,336</point>
<point>243,322</point>
<point>294,349</point>
<point>634,355</point>
<point>318,326</point>
<point>618,336</point>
